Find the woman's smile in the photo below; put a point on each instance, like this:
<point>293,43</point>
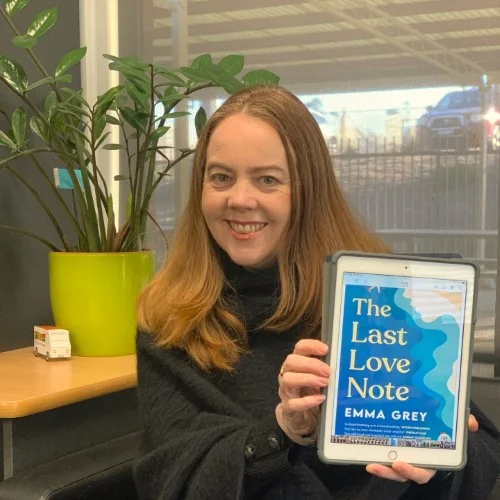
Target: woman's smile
<point>245,230</point>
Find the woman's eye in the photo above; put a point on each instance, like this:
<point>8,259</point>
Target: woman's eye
<point>269,180</point>
<point>219,178</point>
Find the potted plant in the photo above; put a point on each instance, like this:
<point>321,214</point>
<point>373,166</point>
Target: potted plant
<point>97,270</point>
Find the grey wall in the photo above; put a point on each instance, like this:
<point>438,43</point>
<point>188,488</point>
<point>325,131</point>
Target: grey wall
<point>24,296</point>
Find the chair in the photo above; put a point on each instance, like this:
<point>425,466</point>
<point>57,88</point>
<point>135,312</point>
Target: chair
<point>100,472</point>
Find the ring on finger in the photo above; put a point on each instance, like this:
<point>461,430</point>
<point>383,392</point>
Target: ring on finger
<point>282,369</point>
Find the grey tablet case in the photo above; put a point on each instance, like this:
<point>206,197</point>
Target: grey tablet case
<point>329,287</point>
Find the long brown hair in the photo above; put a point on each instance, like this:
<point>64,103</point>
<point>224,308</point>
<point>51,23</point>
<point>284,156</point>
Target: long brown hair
<point>184,307</point>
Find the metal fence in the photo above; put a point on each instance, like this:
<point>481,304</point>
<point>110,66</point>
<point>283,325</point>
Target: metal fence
<point>436,201</point>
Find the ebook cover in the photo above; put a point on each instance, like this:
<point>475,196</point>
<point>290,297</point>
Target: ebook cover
<point>399,360</point>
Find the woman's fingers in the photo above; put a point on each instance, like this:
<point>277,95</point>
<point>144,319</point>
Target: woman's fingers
<point>401,472</point>
<point>291,380</point>
<point>415,474</point>
<point>473,425</point>
<point>310,347</point>
<point>301,378</point>
<point>303,404</point>
<point>385,473</point>
<point>304,364</point>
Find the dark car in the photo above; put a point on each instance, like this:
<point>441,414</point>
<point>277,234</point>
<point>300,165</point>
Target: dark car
<point>456,122</point>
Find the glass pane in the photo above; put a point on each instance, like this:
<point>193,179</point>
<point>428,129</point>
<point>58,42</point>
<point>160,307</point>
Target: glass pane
<point>157,47</point>
<point>404,136</point>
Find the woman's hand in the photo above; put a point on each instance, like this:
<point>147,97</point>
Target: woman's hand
<point>402,472</point>
<point>301,378</point>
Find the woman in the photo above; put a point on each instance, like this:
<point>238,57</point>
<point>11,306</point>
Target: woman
<point>229,367</point>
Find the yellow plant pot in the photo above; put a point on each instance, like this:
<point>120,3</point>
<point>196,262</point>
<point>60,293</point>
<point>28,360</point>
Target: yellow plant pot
<point>94,295</point>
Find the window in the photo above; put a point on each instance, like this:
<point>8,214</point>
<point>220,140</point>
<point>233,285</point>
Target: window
<point>435,193</point>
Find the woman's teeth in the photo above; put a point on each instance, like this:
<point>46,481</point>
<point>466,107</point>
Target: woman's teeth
<point>246,228</point>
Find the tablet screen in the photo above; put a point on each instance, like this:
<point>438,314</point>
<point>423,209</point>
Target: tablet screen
<point>399,359</point>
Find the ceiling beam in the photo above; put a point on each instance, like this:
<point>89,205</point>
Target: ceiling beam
<point>488,57</point>
<point>322,84</point>
<point>379,79</point>
<point>436,7</point>
<point>403,9</point>
<point>374,52</point>
<point>263,42</point>
<point>318,18</point>
<point>297,40</point>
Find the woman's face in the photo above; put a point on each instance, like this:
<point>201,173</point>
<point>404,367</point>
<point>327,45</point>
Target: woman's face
<point>246,192</point>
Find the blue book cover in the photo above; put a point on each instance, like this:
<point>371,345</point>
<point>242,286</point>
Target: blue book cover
<point>399,361</point>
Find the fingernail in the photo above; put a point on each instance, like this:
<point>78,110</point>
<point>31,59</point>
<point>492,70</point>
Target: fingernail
<point>323,381</point>
<point>325,348</point>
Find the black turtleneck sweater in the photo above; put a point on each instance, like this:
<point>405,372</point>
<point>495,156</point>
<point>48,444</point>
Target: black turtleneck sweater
<point>215,436</point>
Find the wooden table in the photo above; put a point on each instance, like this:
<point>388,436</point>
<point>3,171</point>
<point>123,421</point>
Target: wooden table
<point>30,385</point>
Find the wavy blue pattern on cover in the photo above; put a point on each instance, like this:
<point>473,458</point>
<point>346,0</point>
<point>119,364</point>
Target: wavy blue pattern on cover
<point>437,351</point>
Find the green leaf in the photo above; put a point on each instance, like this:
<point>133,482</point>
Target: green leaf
<point>14,6</point>
<point>159,132</point>
<point>120,102</point>
<point>50,105</point>
<point>75,96</point>
<point>112,120</point>
<point>66,129</point>
<point>38,127</point>
<point>128,209</point>
<point>99,127</point>
<point>105,101</point>
<point>201,61</point>
<point>14,74</point>
<point>260,77</point>
<point>200,120</point>
<point>171,94</point>
<point>102,139</point>
<point>70,59</point>
<point>50,79</point>
<point>134,76</point>
<point>129,70</point>
<point>140,99</point>
<point>169,91</point>
<point>233,64</point>
<point>170,76</point>
<point>43,22</point>
<point>196,75</point>
<point>111,227</point>
<point>177,114</point>
<point>19,126</point>
<point>128,61</point>
<point>132,118</point>
<point>178,97</point>
<point>25,41</point>
<point>227,81</point>
<point>5,140</point>
<point>72,109</point>
<point>113,147</point>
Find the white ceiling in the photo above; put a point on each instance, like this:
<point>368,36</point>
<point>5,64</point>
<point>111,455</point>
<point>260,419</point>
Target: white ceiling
<point>331,45</point>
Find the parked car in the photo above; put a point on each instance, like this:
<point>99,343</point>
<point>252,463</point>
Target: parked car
<point>456,122</point>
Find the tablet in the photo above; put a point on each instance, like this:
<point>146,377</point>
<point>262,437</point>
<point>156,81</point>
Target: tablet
<point>400,331</point>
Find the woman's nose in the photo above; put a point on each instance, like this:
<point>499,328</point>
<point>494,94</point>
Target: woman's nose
<point>242,196</point>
